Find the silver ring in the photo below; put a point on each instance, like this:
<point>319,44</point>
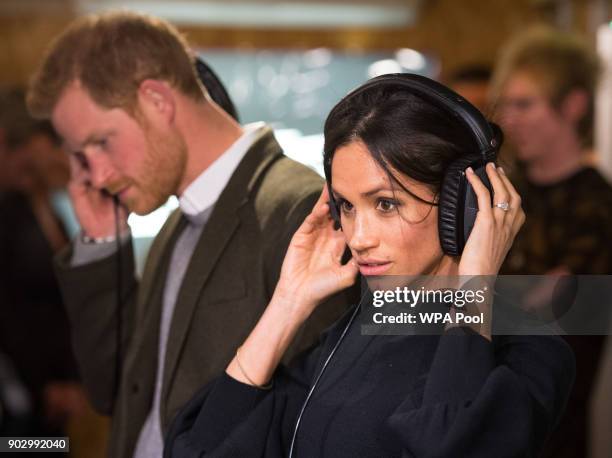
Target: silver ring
<point>505,206</point>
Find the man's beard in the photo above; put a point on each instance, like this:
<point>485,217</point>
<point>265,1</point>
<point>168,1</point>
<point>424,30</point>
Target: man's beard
<point>163,170</point>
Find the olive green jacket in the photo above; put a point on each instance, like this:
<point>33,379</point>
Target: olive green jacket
<point>227,285</point>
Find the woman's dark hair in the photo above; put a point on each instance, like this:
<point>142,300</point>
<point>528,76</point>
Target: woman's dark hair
<point>402,131</point>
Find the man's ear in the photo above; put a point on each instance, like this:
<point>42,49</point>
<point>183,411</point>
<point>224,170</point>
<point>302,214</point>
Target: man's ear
<point>156,100</point>
<point>575,105</point>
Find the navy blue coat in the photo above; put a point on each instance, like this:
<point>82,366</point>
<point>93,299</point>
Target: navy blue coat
<point>454,395</point>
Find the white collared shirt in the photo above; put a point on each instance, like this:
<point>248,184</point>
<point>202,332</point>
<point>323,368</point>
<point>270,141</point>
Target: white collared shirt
<point>204,191</point>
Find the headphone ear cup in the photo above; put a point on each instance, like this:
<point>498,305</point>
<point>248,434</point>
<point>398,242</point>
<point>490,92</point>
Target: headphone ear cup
<point>451,206</point>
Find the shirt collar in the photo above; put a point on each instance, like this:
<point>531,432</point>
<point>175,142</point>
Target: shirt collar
<point>204,191</point>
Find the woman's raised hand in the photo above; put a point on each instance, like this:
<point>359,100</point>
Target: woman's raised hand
<point>312,269</point>
<point>495,227</point>
<point>311,272</point>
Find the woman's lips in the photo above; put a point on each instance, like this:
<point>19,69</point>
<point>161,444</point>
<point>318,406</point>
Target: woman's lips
<point>373,268</point>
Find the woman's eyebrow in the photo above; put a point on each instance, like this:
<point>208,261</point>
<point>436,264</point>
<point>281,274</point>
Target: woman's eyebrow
<point>382,188</point>
<point>371,192</point>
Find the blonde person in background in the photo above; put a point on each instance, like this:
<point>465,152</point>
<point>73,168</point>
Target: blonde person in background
<point>544,87</point>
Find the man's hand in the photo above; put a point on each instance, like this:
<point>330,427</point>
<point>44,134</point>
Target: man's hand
<point>94,208</point>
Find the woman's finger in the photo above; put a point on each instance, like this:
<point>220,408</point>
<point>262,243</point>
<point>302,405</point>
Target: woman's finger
<point>500,193</point>
<point>516,210</point>
<point>348,273</point>
<point>482,193</point>
<point>318,216</point>
<point>321,211</point>
<point>338,245</point>
<point>517,221</point>
<point>323,197</point>
<point>515,198</point>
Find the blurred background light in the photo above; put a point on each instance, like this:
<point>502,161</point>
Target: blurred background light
<point>382,67</point>
<point>285,14</point>
<point>411,59</point>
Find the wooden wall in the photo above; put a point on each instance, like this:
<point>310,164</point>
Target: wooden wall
<point>457,31</point>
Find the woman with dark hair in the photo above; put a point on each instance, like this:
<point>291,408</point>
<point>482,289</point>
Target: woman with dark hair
<point>463,393</point>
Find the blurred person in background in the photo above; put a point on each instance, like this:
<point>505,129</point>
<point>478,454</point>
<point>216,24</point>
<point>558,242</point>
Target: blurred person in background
<point>473,82</point>
<point>34,330</point>
<point>122,89</point>
<point>545,84</point>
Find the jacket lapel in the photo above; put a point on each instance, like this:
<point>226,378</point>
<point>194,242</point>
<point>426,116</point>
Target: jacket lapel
<point>142,360</point>
<point>223,222</point>
<point>154,271</point>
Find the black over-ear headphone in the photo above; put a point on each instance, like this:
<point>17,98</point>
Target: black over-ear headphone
<point>215,87</point>
<point>457,202</point>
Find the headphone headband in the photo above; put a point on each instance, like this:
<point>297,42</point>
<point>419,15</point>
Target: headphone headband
<point>457,203</point>
<point>439,95</point>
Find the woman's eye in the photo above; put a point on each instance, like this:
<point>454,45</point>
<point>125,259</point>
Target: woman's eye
<point>386,205</point>
<point>345,206</point>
